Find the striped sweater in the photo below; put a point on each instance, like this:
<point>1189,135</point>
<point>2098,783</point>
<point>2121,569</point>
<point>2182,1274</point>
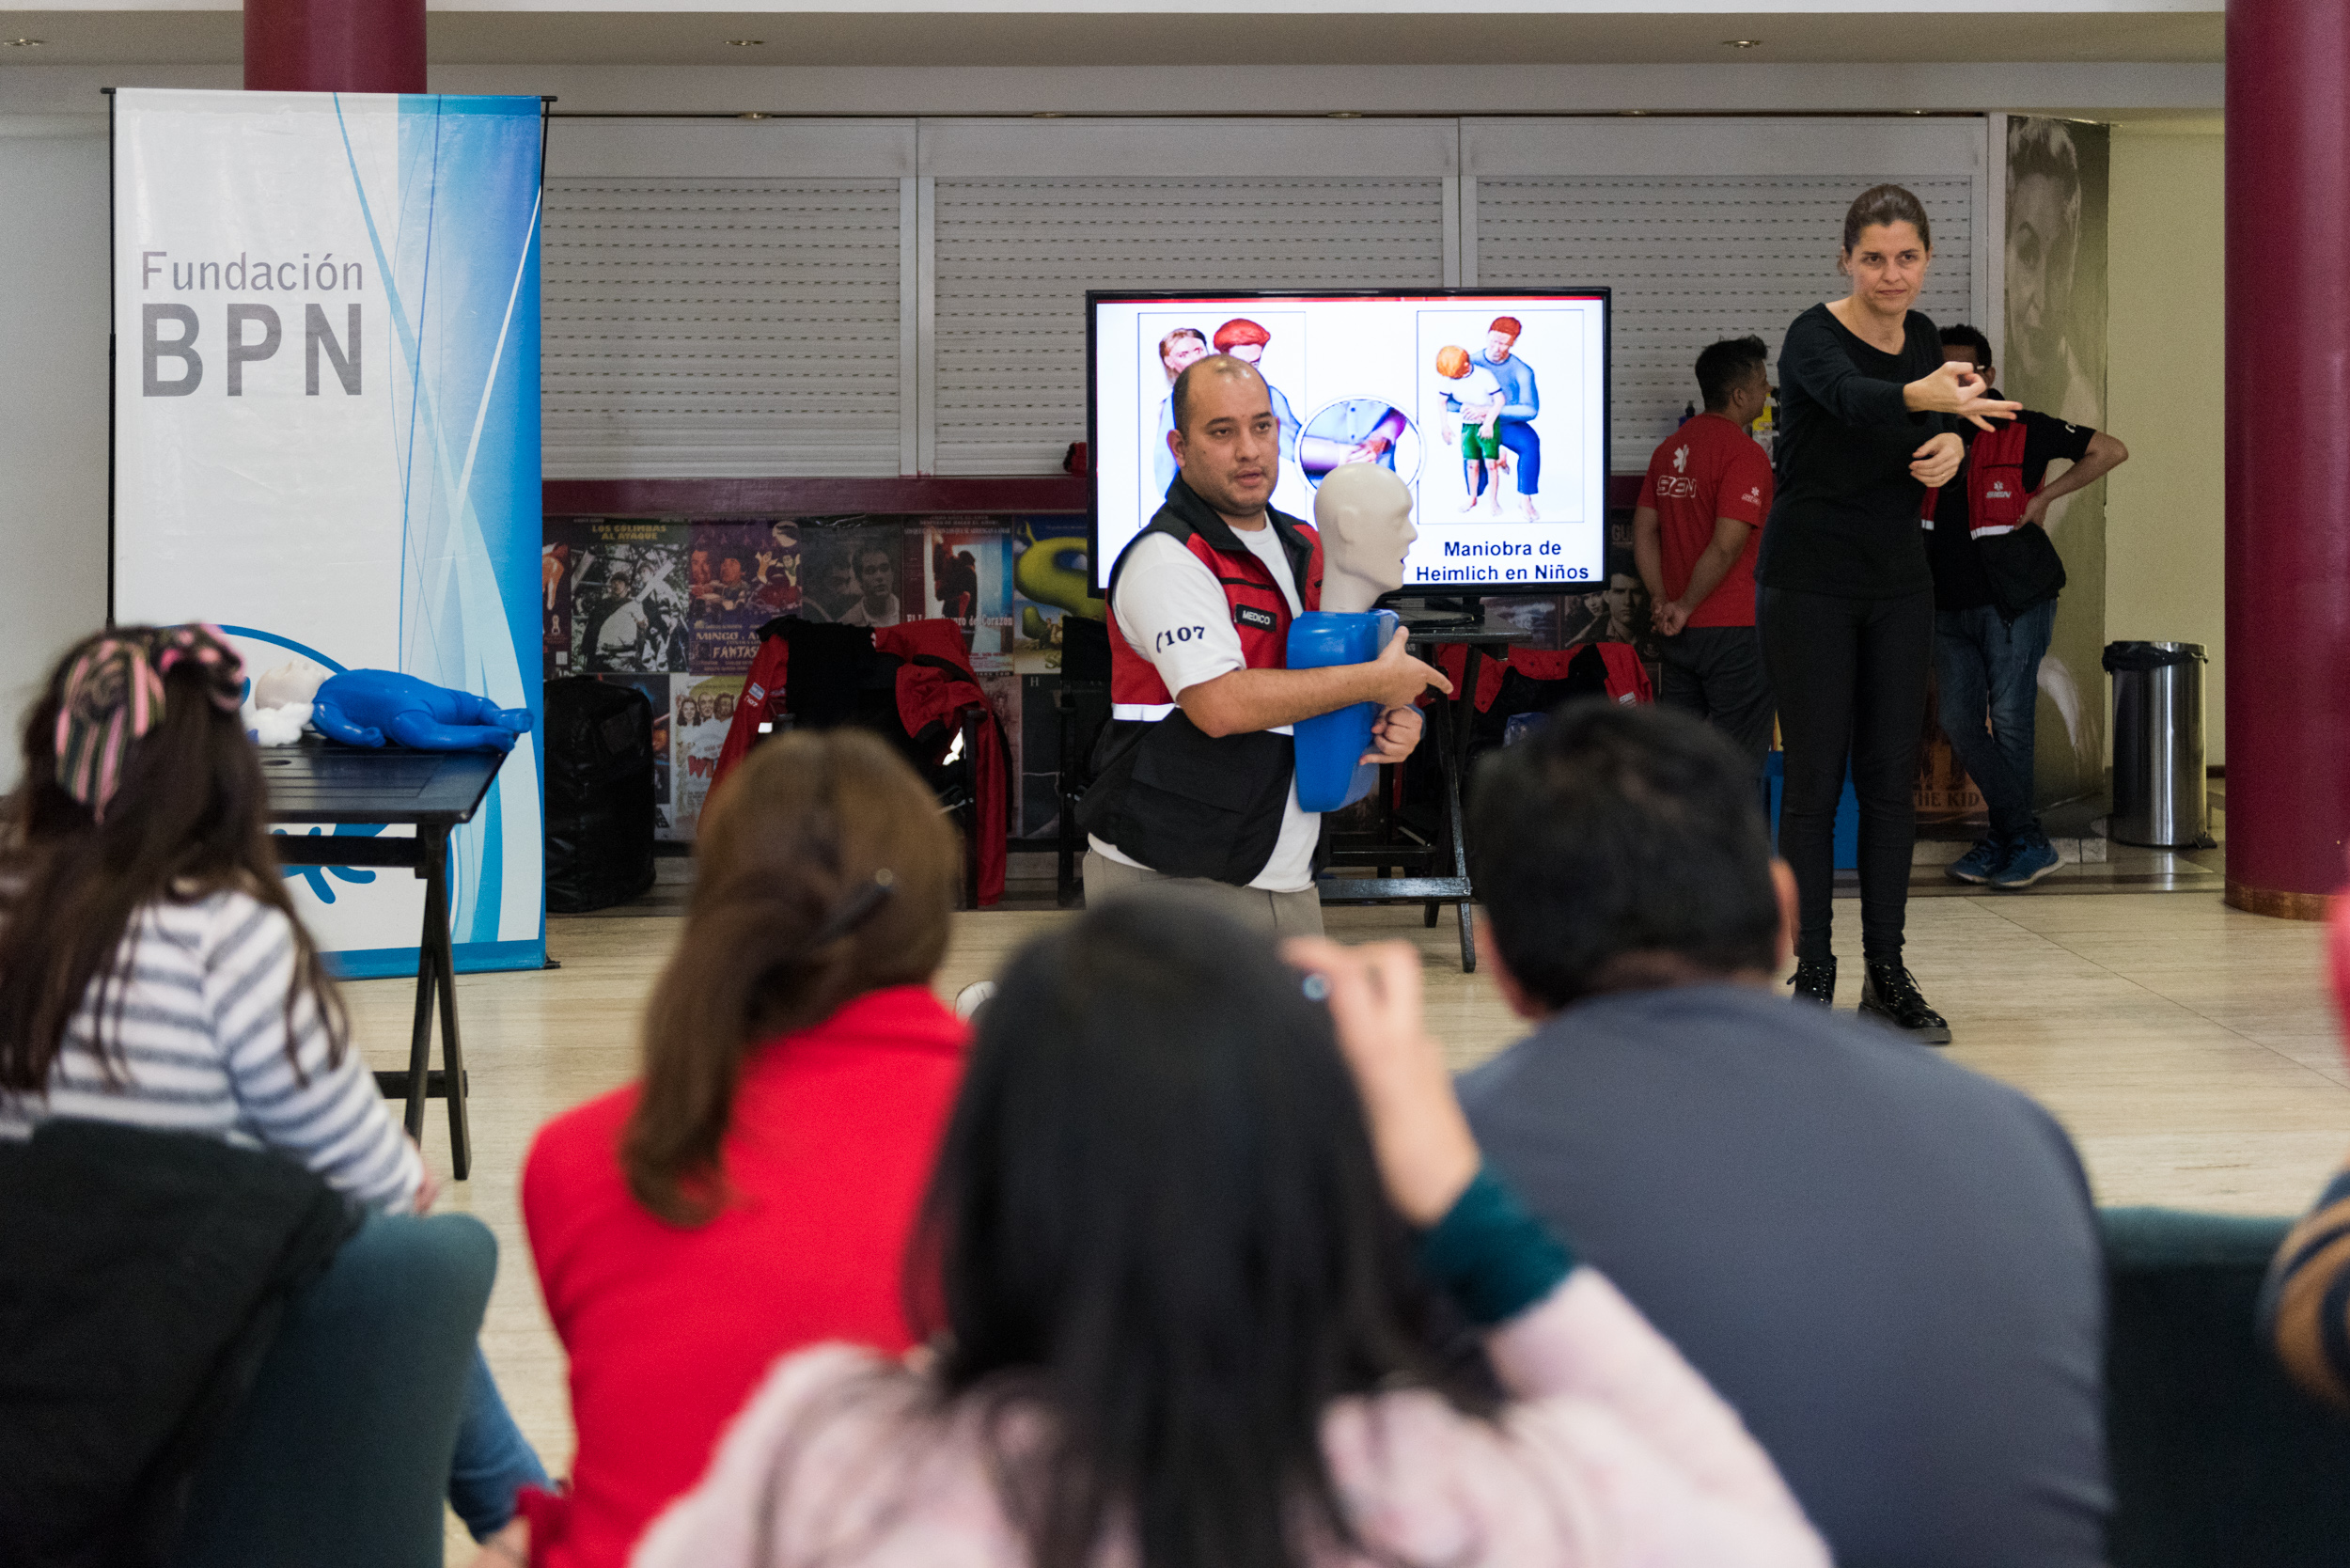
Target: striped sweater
<point>202,1032</point>
<point>2305,1309</point>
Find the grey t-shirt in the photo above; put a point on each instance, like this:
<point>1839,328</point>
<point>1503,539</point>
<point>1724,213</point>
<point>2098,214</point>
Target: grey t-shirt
<point>1886,1263</point>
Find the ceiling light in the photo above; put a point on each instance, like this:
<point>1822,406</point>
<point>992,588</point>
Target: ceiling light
<point>755,114</point>
<point>1741,43</point>
<point>1346,114</point>
<point>24,43</point>
<point>746,43</point>
<point>1634,114</point>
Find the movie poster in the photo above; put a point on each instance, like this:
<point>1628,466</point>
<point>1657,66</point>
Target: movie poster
<point>559,546</point>
<point>1051,580</point>
<point>629,596</point>
<point>739,576</point>
<point>2053,360</point>
<point>855,575</point>
<point>1944,794</point>
<point>702,710</point>
<point>967,579</point>
<point>656,690</point>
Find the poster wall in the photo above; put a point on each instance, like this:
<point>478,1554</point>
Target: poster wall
<point>326,432</point>
<point>2054,360</point>
<point>673,606</point>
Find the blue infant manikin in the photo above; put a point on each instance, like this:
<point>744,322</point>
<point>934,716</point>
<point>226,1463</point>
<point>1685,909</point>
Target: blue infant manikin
<point>1364,514</point>
<point>368,707</point>
<point>1329,745</point>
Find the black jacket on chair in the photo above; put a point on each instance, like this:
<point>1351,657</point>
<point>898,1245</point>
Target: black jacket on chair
<point>142,1277</point>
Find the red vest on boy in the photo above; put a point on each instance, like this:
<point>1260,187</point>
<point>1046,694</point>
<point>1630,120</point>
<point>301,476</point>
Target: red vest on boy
<point>1166,793</point>
<point>1996,496</point>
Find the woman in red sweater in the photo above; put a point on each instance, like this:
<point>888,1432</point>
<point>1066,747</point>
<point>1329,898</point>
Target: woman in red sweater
<point>752,1193</point>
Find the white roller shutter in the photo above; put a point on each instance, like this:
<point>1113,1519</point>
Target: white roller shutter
<point>721,327</point>
<point>1013,258</point>
<point>1692,259</point>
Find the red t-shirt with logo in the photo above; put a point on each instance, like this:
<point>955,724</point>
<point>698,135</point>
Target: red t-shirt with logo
<point>1706,469</point>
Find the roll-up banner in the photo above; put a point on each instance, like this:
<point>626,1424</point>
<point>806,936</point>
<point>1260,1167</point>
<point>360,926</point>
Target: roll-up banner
<point>326,433</point>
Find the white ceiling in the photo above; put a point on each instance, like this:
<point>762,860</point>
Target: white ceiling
<point>1143,33</point>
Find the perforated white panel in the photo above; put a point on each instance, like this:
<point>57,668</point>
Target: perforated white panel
<point>1014,257</point>
<point>1695,260</point>
<point>721,327</point>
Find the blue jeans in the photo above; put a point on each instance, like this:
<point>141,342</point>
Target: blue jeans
<point>1987,665</point>
<point>493,1460</point>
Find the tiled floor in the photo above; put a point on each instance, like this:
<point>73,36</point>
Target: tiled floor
<point>2190,1048</point>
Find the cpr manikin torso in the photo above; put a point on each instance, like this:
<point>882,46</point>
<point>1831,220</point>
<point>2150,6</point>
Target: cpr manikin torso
<point>1364,514</point>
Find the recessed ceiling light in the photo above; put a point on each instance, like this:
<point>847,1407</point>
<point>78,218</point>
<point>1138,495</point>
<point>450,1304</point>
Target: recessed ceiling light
<point>755,114</point>
<point>1634,114</point>
<point>26,44</point>
<point>1346,114</point>
<point>746,43</point>
<point>1741,43</point>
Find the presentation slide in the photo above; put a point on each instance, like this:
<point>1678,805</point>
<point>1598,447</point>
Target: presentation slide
<point>1491,407</point>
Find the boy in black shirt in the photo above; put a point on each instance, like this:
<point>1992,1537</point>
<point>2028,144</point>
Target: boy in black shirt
<point>1991,628</point>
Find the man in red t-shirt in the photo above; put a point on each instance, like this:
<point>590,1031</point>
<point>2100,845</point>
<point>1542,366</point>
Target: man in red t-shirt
<point>1694,537</point>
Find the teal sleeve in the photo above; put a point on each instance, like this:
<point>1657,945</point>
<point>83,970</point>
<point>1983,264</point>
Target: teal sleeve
<point>1491,1254</point>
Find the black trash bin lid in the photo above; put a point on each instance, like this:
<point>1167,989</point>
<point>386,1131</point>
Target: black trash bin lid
<point>2151,655</point>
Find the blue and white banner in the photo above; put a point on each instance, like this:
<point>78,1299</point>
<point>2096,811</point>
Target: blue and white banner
<point>326,432</point>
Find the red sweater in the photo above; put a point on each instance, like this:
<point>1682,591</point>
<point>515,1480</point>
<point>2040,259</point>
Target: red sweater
<point>669,1329</point>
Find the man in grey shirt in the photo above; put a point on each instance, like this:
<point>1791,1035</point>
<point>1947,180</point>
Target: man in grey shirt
<point>1888,1264</point>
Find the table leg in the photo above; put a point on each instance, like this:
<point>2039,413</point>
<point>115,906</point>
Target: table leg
<point>1459,734</point>
<point>420,1037</point>
<point>439,960</point>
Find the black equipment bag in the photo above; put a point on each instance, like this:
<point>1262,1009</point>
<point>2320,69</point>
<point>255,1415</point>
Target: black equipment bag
<point>600,795</point>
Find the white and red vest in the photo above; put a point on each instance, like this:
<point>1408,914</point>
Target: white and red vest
<point>1166,793</point>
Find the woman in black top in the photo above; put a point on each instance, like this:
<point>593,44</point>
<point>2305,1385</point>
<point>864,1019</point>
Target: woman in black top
<point>1868,416</point>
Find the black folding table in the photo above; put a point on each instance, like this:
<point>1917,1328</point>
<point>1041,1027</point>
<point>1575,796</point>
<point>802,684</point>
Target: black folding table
<point>321,784</point>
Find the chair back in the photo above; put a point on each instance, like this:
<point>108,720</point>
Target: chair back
<point>2218,1459</point>
<point>341,1454</point>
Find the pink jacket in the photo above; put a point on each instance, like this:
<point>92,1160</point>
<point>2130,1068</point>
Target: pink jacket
<point>1613,1454</point>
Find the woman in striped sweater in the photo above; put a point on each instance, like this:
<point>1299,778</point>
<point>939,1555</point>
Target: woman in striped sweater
<point>152,971</point>
<point>2305,1310</point>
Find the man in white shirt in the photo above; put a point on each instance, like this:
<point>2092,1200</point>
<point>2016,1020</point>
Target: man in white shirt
<point>877,580</point>
<point>1194,778</point>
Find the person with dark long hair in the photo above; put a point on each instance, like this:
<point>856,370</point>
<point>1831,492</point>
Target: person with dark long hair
<point>153,970</point>
<point>752,1192</point>
<point>1182,1252</point>
<point>1869,420</point>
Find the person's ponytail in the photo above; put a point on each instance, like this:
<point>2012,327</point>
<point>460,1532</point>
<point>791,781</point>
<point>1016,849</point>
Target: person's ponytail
<point>824,870</point>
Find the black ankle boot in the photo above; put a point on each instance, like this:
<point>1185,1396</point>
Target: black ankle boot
<point>1815,981</point>
<point>1890,993</point>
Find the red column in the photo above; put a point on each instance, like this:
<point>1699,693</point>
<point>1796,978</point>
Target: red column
<point>333,45</point>
<point>2288,440</point>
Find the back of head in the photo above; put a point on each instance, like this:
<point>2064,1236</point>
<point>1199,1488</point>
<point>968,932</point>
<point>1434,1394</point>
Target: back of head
<point>139,786</point>
<point>823,869</point>
<point>1619,843</point>
<point>1725,367</point>
<point>1157,1210</point>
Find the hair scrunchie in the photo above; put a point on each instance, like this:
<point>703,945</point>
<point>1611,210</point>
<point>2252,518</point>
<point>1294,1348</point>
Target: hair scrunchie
<point>114,694</point>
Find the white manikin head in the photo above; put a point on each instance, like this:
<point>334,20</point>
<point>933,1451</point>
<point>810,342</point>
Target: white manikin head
<point>1365,515</point>
<point>296,681</point>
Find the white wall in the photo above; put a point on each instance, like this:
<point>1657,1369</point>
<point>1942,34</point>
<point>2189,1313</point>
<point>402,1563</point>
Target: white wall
<point>2166,508</point>
<point>53,399</point>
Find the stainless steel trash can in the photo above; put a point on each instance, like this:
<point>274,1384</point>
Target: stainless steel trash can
<point>2159,797</point>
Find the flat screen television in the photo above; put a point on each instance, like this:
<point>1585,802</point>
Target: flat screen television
<point>1392,378</point>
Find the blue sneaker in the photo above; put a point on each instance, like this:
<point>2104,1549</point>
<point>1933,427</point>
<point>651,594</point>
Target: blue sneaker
<point>2032,859</point>
<point>1982,863</point>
